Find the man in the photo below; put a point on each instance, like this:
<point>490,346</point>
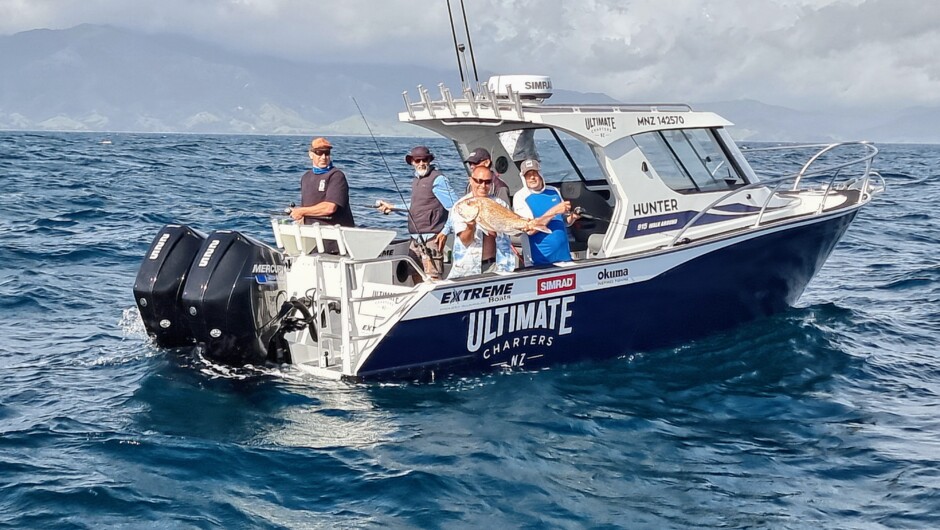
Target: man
<point>431,200</point>
<point>324,192</point>
<point>475,250</point>
<point>536,200</point>
<point>481,157</point>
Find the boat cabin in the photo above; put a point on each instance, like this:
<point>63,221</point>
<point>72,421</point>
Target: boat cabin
<point>639,172</point>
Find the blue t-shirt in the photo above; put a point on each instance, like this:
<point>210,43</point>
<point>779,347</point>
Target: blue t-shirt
<point>545,248</point>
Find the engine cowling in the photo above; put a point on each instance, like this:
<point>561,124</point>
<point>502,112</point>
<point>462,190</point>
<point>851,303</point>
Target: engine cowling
<point>231,297</point>
<point>159,284</point>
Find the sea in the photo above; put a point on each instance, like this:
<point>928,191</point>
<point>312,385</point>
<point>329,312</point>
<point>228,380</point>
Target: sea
<point>824,416</point>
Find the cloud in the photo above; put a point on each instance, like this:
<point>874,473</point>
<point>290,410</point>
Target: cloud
<point>801,53</point>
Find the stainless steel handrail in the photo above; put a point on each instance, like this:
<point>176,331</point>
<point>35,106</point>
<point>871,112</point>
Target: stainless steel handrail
<point>872,151</point>
<point>719,200</point>
<point>804,172</point>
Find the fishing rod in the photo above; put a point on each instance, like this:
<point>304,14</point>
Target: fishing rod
<point>419,239</point>
<point>381,154</point>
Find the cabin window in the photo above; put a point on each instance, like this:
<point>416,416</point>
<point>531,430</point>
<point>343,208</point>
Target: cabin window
<point>689,160</point>
<point>555,153</point>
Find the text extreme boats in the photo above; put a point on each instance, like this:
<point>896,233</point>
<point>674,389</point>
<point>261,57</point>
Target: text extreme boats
<point>681,238</point>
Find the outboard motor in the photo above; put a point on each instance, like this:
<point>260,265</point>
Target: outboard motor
<point>159,284</point>
<point>231,297</point>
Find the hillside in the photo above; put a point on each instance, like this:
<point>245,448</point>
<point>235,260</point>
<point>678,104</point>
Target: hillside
<point>101,78</point>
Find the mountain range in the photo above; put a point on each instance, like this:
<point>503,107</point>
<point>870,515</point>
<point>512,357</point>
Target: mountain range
<point>103,78</point>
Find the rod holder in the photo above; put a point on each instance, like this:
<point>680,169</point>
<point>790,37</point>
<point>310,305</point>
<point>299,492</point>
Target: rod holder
<point>411,111</point>
<point>448,99</point>
<point>426,99</point>
<point>467,93</point>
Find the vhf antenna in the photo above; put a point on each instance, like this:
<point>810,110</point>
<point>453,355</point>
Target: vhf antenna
<point>459,48</point>
<point>466,28</point>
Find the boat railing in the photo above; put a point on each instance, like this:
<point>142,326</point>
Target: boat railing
<point>869,152</point>
<point>482,103</point>
<point>351,335</point>
<point>806,171</point>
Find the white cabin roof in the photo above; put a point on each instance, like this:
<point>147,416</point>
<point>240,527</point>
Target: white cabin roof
<point>598,124</point>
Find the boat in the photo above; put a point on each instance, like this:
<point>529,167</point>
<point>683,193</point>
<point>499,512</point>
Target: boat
<point>680,238</point>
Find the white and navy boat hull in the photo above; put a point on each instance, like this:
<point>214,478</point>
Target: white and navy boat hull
<point>616,307</point>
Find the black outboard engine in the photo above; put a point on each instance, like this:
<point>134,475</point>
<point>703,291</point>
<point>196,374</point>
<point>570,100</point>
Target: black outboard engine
<point>159,284</point>
<point>231,297</point>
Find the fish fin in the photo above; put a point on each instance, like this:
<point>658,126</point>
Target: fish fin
<point>540,225</point>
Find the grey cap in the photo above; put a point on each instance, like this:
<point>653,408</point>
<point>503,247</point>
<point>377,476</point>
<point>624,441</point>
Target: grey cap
<point>530,165</point>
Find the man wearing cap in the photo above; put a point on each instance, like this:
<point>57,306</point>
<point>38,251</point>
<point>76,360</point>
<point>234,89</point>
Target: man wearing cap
<point>431,200</point>
<point>536,200</point>
<point>481,157</point>
<point>477,251</point>
<point>324,192</point>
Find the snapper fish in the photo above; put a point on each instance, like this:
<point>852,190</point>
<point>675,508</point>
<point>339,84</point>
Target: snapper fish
<point>494,217</point>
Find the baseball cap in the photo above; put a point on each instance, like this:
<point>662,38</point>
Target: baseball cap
<point>530,165</point>
<point>320,143</point>
<point>478,155</point>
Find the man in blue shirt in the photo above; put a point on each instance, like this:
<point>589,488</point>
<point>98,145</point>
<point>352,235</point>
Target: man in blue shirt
<point>536,200</point>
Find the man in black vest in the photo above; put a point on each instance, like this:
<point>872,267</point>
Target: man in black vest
<point>324,192</point>
<point>431,200</point>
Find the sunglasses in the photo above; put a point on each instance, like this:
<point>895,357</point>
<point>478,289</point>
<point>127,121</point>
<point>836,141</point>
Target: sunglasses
<point>420,160</point>
<point>482,181</point>
<point>321,152</point>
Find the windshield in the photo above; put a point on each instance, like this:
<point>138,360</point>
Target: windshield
<point>689,160</point>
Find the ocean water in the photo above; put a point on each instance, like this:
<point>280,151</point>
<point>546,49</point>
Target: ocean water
<point>825,416</point>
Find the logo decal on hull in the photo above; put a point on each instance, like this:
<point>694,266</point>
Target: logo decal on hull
<point>609,276</point>
<point>491,293</point>
<point>556,284</point>
<point>508,335</point>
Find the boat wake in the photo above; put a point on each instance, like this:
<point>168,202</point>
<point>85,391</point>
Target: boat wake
<point>215,370</point>
<point>132,327</point>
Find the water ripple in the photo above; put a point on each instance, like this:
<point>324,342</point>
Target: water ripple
<point>824,416</point>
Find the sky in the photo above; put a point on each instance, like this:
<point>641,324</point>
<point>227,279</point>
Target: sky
<point>803,54</point>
